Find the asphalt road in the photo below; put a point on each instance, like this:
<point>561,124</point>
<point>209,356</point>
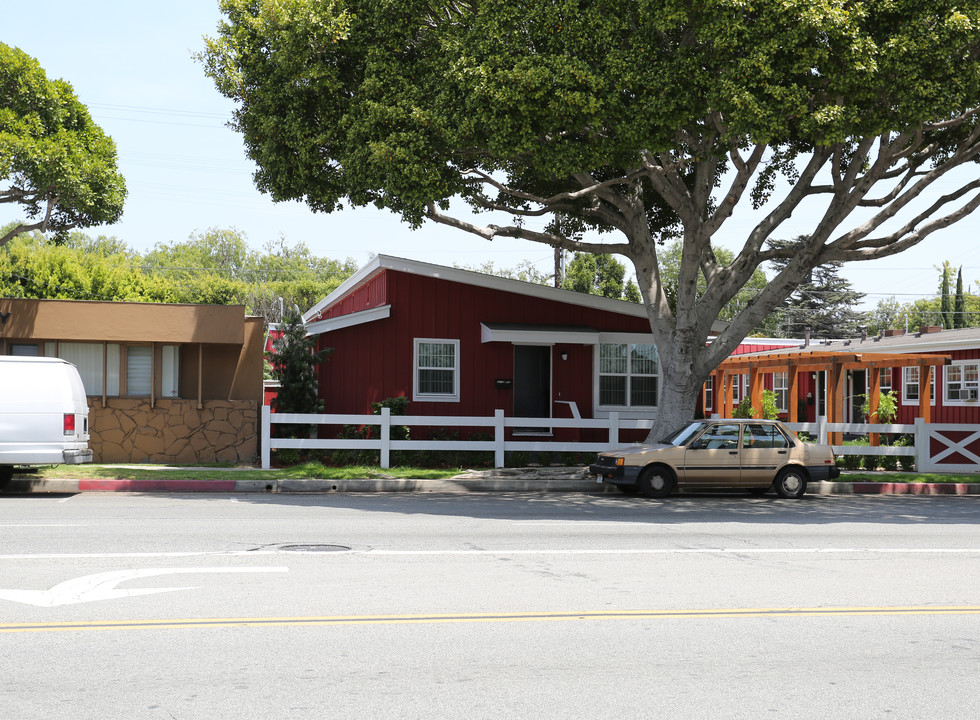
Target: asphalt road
<point>488,606</point>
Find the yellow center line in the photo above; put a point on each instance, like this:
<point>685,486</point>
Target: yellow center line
<point>189,623</point>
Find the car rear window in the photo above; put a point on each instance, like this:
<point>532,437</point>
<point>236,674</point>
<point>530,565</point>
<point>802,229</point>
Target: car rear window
<point>763,435</point>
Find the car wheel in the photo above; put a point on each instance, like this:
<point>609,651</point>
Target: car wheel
<point>629,489</point>
<point>656,481</point>
<point>791,482</point>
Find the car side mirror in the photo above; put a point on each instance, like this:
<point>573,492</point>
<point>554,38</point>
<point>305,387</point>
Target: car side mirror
<point>698,445</point>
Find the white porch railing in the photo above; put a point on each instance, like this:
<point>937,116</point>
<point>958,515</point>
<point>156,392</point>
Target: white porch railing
<point>955,442</point>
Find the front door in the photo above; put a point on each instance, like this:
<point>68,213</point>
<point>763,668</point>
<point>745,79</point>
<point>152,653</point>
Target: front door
<point>856,391</point>
<point>532,384</point>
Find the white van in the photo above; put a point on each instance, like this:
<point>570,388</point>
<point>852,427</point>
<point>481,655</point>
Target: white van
<point>43,414</point>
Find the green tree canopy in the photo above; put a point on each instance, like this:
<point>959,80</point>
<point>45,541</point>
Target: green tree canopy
<point>824,302</point>
<point>294,363</point>
<point>79,268</point>
<point>610,126</point>
<point>525,271</point>
<point>945,300</point>
<point>890,313</point>
<point>55,163</point>
<point>959,305</point>
<point>214,267</point>
<point>599,274</point>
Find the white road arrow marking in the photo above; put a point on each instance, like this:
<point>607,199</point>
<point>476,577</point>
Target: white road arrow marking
<point>102,586</point>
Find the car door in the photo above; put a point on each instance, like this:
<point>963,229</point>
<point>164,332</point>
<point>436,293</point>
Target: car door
<point>713,457</point>
<point>764,450</point>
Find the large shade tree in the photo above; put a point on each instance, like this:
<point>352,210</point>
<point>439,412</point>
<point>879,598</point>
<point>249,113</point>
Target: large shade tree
<point>609,126</point>
<point>56,165</point>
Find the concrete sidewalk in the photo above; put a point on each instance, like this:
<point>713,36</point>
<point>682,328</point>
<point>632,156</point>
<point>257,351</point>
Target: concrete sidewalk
<point>552,479</point>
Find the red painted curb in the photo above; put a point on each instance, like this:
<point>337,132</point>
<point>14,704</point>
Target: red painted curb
<point>911,488</point>
<point>157,485</point>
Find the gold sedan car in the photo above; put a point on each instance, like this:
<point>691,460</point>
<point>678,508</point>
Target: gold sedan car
<point>709,454</point>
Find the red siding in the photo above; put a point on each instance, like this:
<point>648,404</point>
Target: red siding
<point>749,347</point>
<point>373,361</point>
<point>940,413</point>
<point>373,294</point>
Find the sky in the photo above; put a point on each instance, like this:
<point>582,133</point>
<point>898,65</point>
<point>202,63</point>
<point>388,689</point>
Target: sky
<point>186,171</point>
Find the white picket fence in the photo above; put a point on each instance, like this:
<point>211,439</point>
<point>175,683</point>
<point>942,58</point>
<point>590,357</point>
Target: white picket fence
<point>926,436</point>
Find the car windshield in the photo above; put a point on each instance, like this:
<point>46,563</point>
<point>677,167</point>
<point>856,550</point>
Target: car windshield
<point>679,437</point>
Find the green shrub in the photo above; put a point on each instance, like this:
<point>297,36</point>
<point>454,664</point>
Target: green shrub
<point>515,459</point>
<point>852,462</point>
<point>769,409</point>
<point>887,409</point>
<point>889,463</point>
<point>849,462</point>
<point>907,463</point>
<point>871,462</point>
<point>285,457</point>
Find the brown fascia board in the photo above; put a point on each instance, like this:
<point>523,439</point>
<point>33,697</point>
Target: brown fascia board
<point>82,320</point>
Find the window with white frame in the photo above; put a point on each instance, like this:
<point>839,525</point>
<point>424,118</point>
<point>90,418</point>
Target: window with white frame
<point>740,386</point>
<point>436,370</point>
<point>885,380</point>
<point>780,388</point>
<point>962,383</point>
<point>910,386</point>
<point>629,375</point>
<point>709,394</point>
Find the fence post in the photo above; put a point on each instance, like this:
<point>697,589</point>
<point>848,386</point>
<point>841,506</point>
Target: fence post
<point>498,438</point>
<point>265,436</point>
<point>822,429</point>
<point>385,437</point>
<point>921,445</point>
<point>614,429</point>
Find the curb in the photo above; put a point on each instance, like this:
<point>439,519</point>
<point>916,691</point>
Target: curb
<point>512,482</point>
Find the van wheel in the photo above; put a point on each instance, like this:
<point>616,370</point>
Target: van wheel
<point>791,482</point>
<point>656,481</point>
<point>6,473</point>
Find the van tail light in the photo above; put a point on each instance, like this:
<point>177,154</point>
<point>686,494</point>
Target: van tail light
<point>69,423</point>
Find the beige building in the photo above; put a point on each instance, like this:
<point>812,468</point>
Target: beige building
<point>165,383</point>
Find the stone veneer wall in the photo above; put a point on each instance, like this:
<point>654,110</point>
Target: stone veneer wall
<point>174,431</point>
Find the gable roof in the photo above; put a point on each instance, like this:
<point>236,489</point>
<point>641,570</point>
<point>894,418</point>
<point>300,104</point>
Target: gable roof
<point>469,277</point>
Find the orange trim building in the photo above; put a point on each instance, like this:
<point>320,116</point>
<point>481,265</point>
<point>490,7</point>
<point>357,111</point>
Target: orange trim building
<point>836,365</point>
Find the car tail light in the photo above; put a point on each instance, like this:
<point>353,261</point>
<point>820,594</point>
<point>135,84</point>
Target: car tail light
<point>69,423</point>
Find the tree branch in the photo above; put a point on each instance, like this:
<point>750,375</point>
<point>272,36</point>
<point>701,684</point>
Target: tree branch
<point>489,232</point>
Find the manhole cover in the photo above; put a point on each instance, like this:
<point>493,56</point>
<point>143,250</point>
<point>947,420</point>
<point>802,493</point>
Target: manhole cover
<point>314,548</point>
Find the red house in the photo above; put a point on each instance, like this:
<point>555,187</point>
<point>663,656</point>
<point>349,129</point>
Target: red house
<point>456,342</point>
